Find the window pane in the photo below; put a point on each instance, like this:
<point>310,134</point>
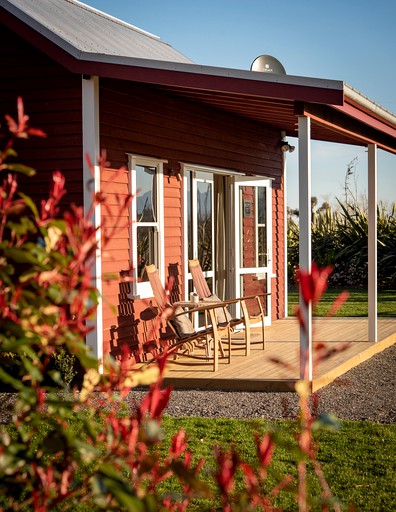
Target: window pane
<point>190,234</point>
<point>262,206</point>
<point>261,227</point>
<point>146,200</point>
<point>147,243</point>
<point>247,232</point>
<point>205,235</point>
<point>253,285</point>
<point>262,246</point>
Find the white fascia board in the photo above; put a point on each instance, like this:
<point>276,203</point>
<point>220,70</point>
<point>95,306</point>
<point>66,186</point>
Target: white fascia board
<point>369,105</point>
<point>242,74</point>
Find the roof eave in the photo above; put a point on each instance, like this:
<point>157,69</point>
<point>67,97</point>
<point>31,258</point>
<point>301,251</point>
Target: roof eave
<point>361,101</point>
<point>208,78</point>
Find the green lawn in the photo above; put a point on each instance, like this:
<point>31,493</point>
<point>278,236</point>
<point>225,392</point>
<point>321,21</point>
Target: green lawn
<point>358,461</point>
<point>356,305</point>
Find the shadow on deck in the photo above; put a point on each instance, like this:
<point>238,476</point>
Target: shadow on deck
<point>259,372</point>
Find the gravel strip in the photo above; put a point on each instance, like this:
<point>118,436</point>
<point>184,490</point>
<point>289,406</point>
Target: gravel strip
<point>367,392</point>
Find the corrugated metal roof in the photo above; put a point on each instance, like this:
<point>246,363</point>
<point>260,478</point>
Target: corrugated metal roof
<point>79,28</point>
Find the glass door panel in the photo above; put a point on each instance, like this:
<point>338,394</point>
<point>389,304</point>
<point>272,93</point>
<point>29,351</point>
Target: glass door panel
<point>254,284</point>
<point>253,239</point>
<point>200,223</point>
<point>205,224</point>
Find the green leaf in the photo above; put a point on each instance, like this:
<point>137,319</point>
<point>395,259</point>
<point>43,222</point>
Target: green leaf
<point>188,475</point>
<point>87,359</point>
<point>28,200</point>
<point>127,500</point>
<point>23,169</point>
<point>87,452</point>
<point>20,255</point>
<point>22,227</point>
<point>8,379</point>
<point>110,471</point>
<point>120,488</point>
<point>32,370</point>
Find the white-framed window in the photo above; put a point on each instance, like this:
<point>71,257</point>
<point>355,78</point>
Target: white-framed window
<point>147,214</point>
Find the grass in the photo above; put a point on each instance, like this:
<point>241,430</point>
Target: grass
<point>357,460</point>
<point>356,305</point>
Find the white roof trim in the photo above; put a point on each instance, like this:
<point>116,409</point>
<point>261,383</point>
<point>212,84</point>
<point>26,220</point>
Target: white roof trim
<point>213,71</point>
<point>370,105</point>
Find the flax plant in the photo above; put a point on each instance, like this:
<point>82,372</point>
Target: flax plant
<point>340,238</point>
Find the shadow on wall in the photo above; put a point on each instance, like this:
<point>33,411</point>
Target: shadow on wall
<point>124,340</point>
<point>140,333</point>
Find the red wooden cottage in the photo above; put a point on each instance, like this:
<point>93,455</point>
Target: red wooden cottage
<point>201,148</point>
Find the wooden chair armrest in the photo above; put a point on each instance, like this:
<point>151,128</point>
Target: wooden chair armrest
<point>197,307</point>
<point>238,299</point>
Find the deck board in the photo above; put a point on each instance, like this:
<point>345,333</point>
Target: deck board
<point>258,371</point>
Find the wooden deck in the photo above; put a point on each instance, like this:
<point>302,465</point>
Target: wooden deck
<point>258,371</point>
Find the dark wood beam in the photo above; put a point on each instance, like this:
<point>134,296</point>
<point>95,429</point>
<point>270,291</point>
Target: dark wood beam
<point>349,122</point>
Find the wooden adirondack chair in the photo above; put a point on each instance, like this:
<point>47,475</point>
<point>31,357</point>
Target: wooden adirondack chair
<point>178,319</point>
<point>204,294</point>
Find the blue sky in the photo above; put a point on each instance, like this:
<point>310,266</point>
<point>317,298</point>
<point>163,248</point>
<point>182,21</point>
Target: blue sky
<point>349,40</point>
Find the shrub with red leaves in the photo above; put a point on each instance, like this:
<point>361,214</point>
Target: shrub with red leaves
<point>47,298</point>
<point>83,447</point>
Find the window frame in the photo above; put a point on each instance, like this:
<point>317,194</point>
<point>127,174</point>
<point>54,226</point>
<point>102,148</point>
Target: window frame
<point>143,289</point>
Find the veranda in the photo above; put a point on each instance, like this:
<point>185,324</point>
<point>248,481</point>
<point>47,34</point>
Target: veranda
<point>277,367</point>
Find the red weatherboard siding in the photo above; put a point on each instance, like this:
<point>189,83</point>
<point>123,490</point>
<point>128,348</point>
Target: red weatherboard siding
<point>278,252</point>
<point>173,222</point>
<point>52,100</point>
<point>116,258</point>
<point>139,120</point>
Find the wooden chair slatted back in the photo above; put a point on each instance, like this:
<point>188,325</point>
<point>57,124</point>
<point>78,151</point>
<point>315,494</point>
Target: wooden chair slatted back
<point>159,291</point>
<point>199,280</point>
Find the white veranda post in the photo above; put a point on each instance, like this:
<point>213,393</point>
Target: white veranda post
<point>304,172</point>
<point>91,147</point>
<point>372,242</point>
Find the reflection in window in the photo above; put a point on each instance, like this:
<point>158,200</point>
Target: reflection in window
<point>189,216</point>
<point>261,227</point>
<point>146,216</point>
<point>205,234</point>
<point>146,250</point>
<point>200,217</point>
<point>146,204</point>
<point>253,227</point>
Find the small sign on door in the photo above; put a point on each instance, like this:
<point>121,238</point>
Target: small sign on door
<point>247,208</point>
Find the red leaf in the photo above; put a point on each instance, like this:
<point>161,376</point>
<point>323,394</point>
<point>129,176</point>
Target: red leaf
<point>265,449</point>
